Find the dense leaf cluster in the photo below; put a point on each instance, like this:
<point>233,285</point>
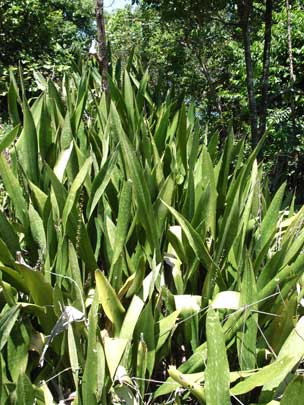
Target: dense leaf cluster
<point>138,261</point>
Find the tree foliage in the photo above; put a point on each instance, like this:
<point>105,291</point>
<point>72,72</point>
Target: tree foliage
<point>42,35</point>
<point>214,73</point>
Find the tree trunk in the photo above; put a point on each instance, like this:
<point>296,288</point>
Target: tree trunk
<point>102,44</point>
<point>244,10</point>
<point>266,63</point>
<point>292,77</point>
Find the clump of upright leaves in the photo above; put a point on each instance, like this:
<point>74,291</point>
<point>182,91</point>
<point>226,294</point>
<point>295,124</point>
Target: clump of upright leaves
<point>133,249</point>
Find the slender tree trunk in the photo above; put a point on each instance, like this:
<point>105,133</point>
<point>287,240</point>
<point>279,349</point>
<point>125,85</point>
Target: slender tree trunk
<point>292,77</point>
<point>244,10</point>
<point>102,44</point>
<point>266,63</point>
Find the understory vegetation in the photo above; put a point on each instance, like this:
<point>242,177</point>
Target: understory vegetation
<point>143,259</point>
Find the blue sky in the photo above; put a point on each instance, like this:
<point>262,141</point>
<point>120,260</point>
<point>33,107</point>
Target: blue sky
<point>114,4</point>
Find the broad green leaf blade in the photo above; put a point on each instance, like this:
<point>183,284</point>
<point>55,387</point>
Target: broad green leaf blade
<point>37,228</point>
<point>294,271</point>
<point>141,365</point>
<point>292,348</point>
<point>39,198</point>
<point>55,96</point>
<point>194,239</point>
<point>294,392</point>
<point>164,328</point>
<point>266,374</point>
<point>81,102</point>
<point>14,278</point>
<point>131,318</point>
<point>217,371</point>
<point>76,275</point>
<point>109,301</point>
<point>8,293</point>
<point>27,145</point>
<point>245,217</point>
<point>18,350</point>
<point>94,370</point>
<point>269,223</point>
<point>6,141</point>
<point>12,98</point>
<point>72,348</point>
<point>114,350</point>
<point>8,234</point>
<point>62,162</point>
<point>100,183</point>
<point>282,325</point>
<point>67,133</point>
<point>129,98</point>
<point>123,220</point>
<point>77,183</point>
<point>7,322</point>
<point>45,131</point>
<point>166,194</point>
<point>143,331</point>
<point>247,336</point>
<point>229,227</point>
<point>25,391</point>
<point>39,288</point>
<point>14,190</point>
<point>6,256</point>
<point>161,130</point>
<point>57,188</point>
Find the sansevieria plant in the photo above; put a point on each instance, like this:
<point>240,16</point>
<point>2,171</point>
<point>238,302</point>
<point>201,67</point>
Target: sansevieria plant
<point>141,261</point>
